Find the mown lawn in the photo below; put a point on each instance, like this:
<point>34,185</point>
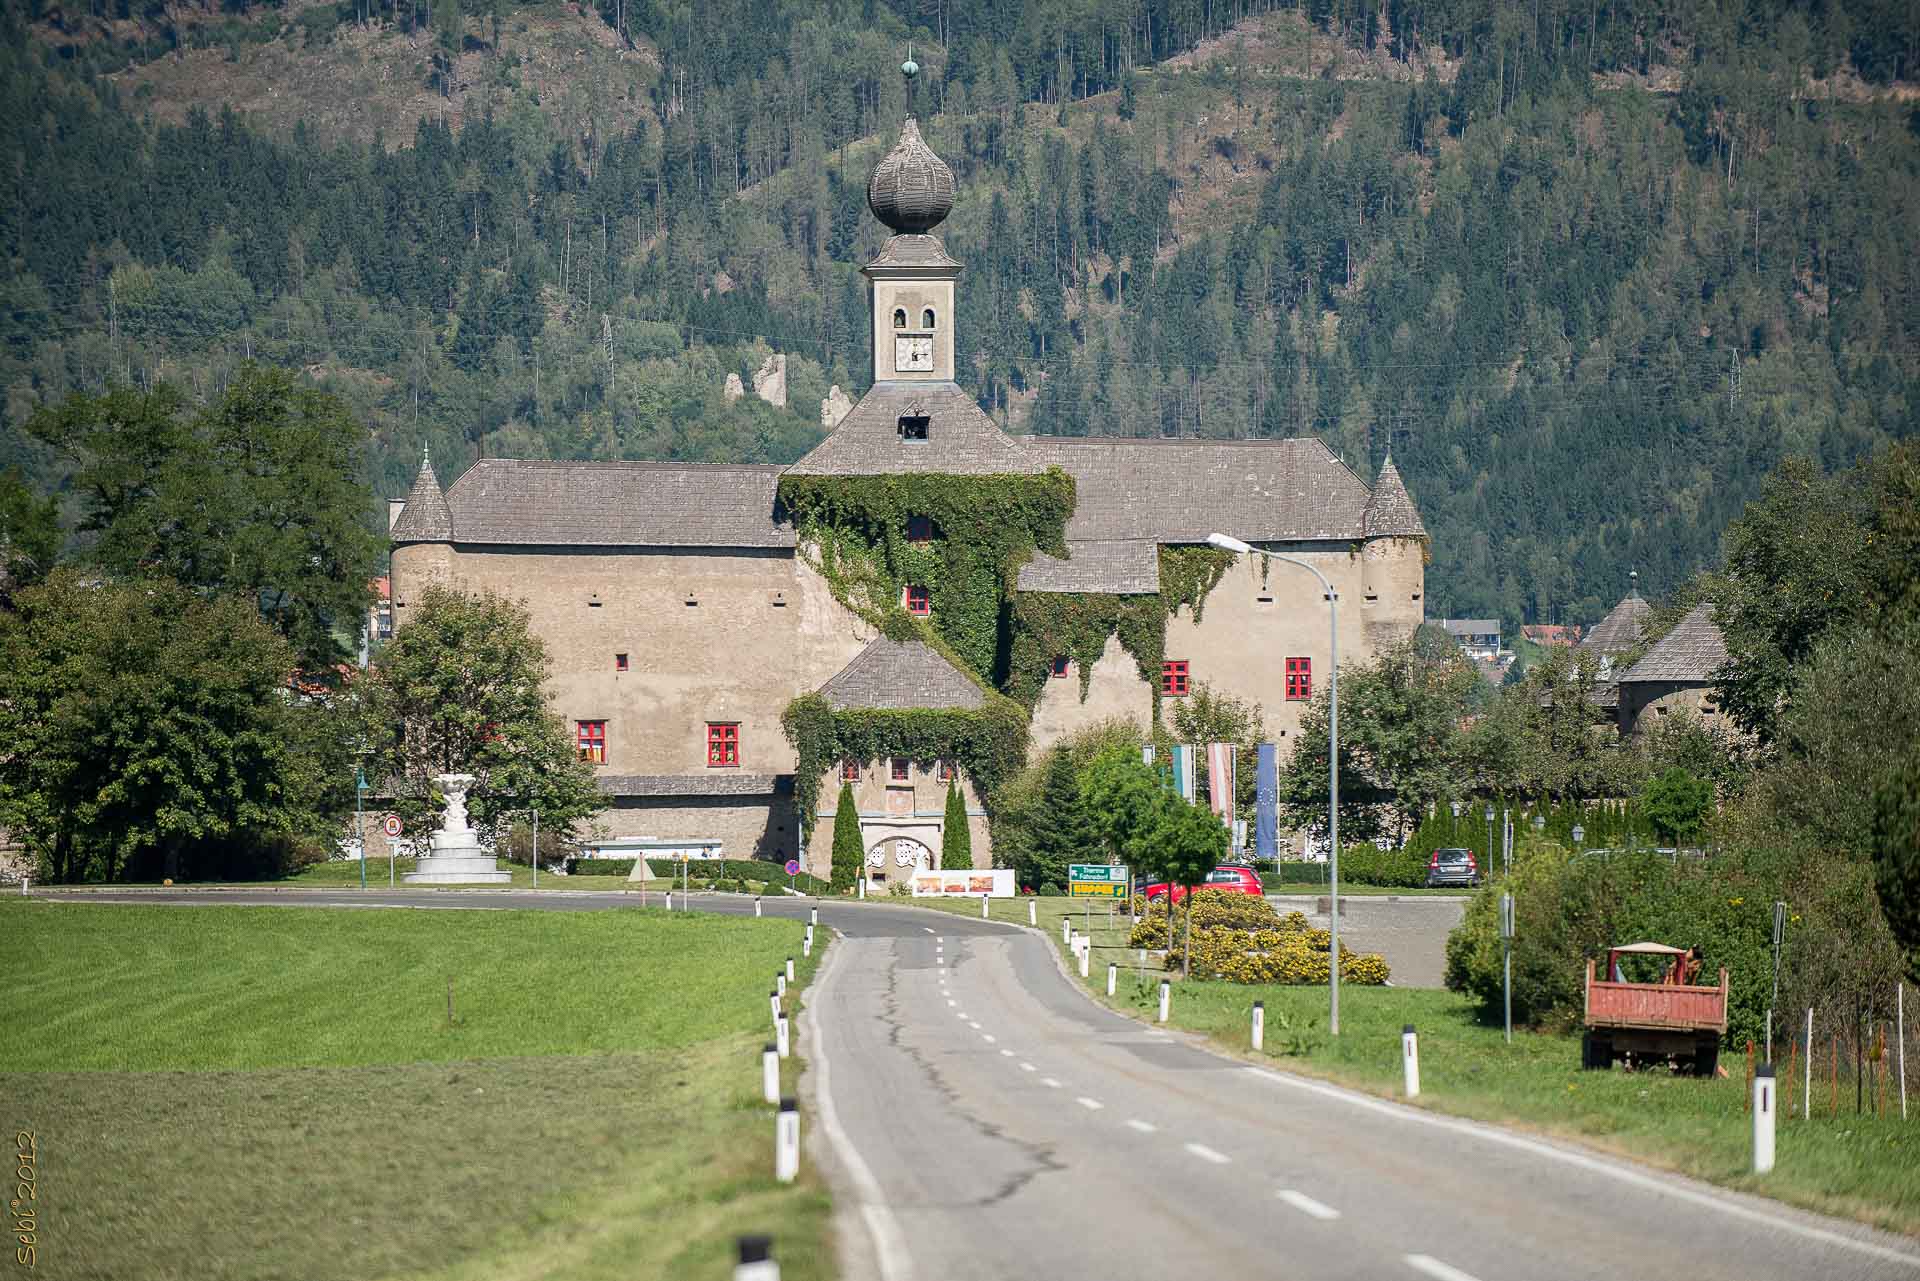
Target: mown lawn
<point>240,1092</point>
<point>1857,1166</point>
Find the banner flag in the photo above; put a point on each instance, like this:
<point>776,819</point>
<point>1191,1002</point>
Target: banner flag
<point>1220,780</point>
<point>1183,771</point>
<point>1266,797</point>
<point>1146,755</point>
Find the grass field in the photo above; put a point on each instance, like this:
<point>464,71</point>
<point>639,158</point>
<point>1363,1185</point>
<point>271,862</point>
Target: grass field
<point>240,1092</point>
<point>1862,1167</point>
<point>347,873</point>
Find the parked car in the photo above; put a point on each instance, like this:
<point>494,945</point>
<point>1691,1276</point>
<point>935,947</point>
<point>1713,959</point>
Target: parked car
<point>1453,867</point>
<point>1232,878</point>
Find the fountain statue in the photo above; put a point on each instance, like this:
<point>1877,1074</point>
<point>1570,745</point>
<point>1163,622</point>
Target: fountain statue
<point>456,857</point>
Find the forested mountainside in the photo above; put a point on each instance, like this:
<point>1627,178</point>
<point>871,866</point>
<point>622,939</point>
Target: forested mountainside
<point>1587,269</point>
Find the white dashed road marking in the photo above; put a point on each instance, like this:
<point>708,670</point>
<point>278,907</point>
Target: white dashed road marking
<point>1026,1067</point>
<point>1050,1083</point>
<point>1307,1205</point>
<point>1206,1153</point>
<point>1091,1105</point>
<point>987,1037</point>
<point>1434,1268</point>
<point>1006,1054</point>
<point>1145,1127</point>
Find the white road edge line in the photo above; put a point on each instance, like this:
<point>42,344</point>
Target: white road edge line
<point>1307,1205</point>
<point>1206,1153</point>
<point>1434,1268</point>
<point>1634,1178</point>
<point>927,928</point>
<point>1145,1127</point>
<point>889,1243</point>
<point>1091,1105</point>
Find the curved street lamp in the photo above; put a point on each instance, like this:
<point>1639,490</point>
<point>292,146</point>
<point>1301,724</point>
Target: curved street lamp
<point>1225,543</point>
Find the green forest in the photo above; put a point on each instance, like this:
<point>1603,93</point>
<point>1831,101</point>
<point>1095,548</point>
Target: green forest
<point>1590,271</point>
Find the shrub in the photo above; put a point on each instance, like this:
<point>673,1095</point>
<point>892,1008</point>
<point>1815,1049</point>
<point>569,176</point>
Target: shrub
<point>1278,950</point>
<point>1397,869</point>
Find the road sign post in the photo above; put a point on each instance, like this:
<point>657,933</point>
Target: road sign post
<point>1779,932</point>
<point>1506,948</point>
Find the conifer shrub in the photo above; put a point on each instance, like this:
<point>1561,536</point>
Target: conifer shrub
<point>956,841</point>
<point>847,852</point>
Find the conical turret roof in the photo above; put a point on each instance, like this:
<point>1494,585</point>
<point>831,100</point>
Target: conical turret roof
<point>426,517</point>
<point>911,189</point>
<point>1620,630</point>
<point>1390,511</point>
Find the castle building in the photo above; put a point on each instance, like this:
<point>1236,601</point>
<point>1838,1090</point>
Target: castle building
<point>685,608</point>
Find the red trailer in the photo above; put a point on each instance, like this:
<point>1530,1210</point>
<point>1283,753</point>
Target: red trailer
<point>1676,1020</point>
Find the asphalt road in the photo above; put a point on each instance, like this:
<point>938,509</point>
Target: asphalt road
<point>984,1119</point>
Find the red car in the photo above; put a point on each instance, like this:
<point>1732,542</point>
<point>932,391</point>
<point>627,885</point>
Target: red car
<point>1234,880</point>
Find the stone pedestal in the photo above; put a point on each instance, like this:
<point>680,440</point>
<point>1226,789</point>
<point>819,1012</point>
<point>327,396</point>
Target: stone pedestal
<point>456,857</point>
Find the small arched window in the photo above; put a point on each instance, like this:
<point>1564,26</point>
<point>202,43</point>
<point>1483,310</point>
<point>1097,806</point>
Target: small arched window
<point>926,319</point>
<point>899,317</point>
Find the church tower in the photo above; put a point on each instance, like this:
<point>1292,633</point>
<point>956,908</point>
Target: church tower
<point>911,192</point>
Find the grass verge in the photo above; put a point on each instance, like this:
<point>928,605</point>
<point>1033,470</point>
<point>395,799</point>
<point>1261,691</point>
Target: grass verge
<point>1863,1167</point>
<point>230,1092</point>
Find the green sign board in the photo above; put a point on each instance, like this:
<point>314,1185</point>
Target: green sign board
<point>1096,880</point>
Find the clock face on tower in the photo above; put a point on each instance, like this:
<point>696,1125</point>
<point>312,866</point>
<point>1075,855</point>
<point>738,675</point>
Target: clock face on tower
<point>913,355</point>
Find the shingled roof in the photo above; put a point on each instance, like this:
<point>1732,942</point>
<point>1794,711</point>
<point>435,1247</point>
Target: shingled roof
<point>960,440</point>
<point>716,783</point>
<point>1390,512</point>
<point>1112,568</point>
<point>617,504</point>
<point>890,674</point>
<point>1179,491</point>
<point>425,518</point>
<point>1688,655</point>
<point>1620,630</point>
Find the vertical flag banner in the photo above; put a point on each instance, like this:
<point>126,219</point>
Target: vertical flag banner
<point>1220,780</point>
<point>1146,755</point>
<point>1266,796</point>
<point>1183,771</point>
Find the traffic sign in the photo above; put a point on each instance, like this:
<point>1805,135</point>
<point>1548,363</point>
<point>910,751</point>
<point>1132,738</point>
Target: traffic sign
<point>391,825</point>
<point>1096,880</point>
<point>793,867</point>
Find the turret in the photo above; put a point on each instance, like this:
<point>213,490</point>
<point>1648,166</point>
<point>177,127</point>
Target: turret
<point>1393,559</point>
<point>911,192</point>
<point>422,537</point>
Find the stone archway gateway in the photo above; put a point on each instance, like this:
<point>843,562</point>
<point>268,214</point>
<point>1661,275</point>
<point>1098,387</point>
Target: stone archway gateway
<point>896,854</point>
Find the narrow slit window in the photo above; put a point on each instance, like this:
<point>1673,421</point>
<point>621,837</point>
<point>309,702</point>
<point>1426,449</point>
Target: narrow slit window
<point>619,662</point>
<point>899,317</point>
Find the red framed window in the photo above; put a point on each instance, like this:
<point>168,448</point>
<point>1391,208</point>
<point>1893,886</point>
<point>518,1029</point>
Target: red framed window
<point>919,601</point>
<point>723,744</point>
<point>899,769</point>
<point>919,529</point>
<point>1173,677</point>
<point>590,737</point>
<point>1059,665</point>
<point>1299,679</point>
<point>945,774</point>
<point>619,662</point>
<point>850,771</point>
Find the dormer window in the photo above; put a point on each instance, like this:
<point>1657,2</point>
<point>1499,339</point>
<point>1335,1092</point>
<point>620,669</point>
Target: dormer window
<point>913,426</point>
<point>926,319</point>
<point>899,317</point>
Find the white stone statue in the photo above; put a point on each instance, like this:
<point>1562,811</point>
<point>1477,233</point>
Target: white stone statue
<point>455,787</point>
<point>456,857</point>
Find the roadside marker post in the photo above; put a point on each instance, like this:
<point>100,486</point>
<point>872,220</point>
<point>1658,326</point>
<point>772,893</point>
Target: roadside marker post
<point>773,999</point>
<point>1066,929</point>
<point>983,907</point>
<point>813,916</point>
<point>1033,911</point>
<point>1166,996</point>
<point>1900,1035</point>
<point>770,1073</point>
<point>1086,957</point>
<point>1763,1118</point>
<point>756,1260</point>
<point>1506,948</point>
<point>756,905</point>
<point>806,944</point>
<point>786,1142</point>
<point>782,1037</point>
<point>23,887</point>
<point>863,889</point>
<point>789,969</point>
<point>1410,1055</point>
<point>1113,976</point>
<point>1806,1087</point>
<point>1259,1025</point>
<point>780,982</point>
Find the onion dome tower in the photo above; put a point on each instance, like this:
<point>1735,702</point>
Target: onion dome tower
<point>911,192</point>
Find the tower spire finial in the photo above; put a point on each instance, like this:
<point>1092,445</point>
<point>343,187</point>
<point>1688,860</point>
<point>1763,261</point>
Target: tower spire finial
<point>426,460</point>
<point>911,70</point>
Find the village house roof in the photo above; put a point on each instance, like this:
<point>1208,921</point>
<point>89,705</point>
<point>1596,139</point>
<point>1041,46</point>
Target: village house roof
<point>426,517</point>
<point>1390,512</point>
<point>1117,568</point>
<point>1471,626</point>
<point>1179,491</point>
<point>959,438</point>
<point>1620,630</point>
<point>614,505</point>
<point>892,675</point>
<point>1690,654</point>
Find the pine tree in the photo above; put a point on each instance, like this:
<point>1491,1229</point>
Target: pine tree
<point>1061,832</point>
<point>956,842</point>
<point>847,854</point>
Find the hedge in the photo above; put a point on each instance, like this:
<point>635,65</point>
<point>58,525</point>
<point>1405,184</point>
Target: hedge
<point>601,867</point>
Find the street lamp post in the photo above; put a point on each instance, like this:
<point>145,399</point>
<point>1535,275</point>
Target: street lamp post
<point>360,819</point>
<point>1489,838</point>
<point>1225,543</point>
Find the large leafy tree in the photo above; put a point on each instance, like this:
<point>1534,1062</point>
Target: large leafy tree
<point>145,729</point>
<point>1182,843</point>
<point>1120,791</point>
<point>29,533</point>
<point>1896,856</point>
<point>459,690</point>
<point>1549,737</point>
<point>261,495</point>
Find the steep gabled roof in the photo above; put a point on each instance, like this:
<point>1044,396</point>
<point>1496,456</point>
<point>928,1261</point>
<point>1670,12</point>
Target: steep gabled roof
<point>426,517</point>
<point>618,504</point>
<point>1109,568</point>
<point>1620,630</point>
<point>960,440</point>
<point>1390,512</point>
<point>1179,491</point>
<point>890,674</point>
<point>1688,655</point>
